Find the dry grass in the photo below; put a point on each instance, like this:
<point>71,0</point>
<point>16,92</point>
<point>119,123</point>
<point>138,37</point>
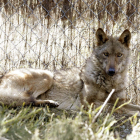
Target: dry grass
<point>52,124</point>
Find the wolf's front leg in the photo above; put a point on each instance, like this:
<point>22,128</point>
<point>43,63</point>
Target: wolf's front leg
<point>38,102</point>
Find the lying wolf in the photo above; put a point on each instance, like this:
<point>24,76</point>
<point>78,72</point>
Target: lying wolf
<point>105,69</point>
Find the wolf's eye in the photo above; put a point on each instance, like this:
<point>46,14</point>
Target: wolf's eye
<point>106,54</point>
<point>119,55</point>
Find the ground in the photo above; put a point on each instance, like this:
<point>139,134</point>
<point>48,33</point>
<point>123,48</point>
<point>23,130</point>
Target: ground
<point>39,123</point>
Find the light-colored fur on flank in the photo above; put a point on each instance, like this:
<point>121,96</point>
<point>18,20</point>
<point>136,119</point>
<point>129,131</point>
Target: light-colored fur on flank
<point>104,70</point>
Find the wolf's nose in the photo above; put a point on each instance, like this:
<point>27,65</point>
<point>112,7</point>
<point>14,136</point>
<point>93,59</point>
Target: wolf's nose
<point>111,72</point>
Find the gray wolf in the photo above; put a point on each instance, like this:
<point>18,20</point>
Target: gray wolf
<point>104,70</point>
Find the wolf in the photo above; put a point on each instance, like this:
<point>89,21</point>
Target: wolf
<point>69,89</point>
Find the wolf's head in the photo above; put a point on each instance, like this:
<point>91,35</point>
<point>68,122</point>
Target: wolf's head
<point>112,53</point>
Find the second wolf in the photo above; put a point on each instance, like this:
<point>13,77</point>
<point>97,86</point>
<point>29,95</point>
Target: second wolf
<point>106,69</point>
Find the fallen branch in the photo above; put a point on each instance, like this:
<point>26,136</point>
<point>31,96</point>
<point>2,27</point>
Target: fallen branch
<point>107,99</point>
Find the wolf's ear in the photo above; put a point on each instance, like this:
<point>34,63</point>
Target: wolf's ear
<point>101,36</point>
<point>125,37</point>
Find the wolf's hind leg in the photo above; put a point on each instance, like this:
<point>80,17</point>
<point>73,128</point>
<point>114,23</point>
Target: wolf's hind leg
<point>39,102</point>
<point>22,101</point>
<point>23,87</point>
